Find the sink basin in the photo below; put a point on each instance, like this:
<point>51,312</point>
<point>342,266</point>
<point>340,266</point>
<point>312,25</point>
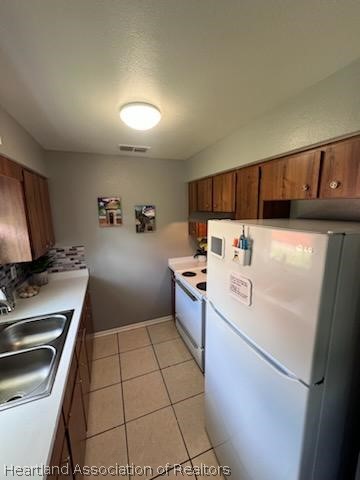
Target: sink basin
<point>25,375</point>
<point>31,333</point>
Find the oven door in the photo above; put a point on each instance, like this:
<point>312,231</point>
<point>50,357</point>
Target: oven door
<point>189,311</point>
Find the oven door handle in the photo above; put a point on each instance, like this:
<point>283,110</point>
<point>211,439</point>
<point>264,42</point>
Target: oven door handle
<point>189,294</point>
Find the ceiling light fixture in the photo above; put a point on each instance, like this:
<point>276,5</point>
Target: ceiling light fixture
<point>139,115</point>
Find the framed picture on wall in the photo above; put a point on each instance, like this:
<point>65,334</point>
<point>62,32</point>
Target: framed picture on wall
<point>145,218</point>
<point>109,211</point>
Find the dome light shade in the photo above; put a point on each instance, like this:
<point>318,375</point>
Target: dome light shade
<point>140,116</point>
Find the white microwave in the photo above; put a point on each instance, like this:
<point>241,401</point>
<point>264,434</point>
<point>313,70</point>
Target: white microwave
<point>217,246</point>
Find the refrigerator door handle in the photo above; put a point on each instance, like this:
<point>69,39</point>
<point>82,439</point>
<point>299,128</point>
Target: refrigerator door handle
<point>189,294</point>
<point>273,363</point>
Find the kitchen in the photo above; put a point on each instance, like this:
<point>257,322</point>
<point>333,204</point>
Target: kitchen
<point>114,350</point>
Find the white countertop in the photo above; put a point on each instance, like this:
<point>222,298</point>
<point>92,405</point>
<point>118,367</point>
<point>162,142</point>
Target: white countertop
<point>27,431</point>
<point>184,263</point>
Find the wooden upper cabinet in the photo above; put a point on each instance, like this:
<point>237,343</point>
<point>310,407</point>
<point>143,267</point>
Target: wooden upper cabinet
<point>11,169</point>
<point>247,193</point>
<point>14,237</point>
<point>340,176</point>
<point>46,212</point>
<point>224,192</point>
<point>192,197</point>
<point>39,214</point>
<point>291,178</point>
<point>205,194</point>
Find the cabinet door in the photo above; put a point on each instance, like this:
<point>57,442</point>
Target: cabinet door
<point>77,426</point>
<point>56,458</point>
<point>201,229</point>
<point>8,168</point>
<point>49,237</point>
<point>192,229</point>
<point>291,178</point>
<point>247,193</point>
<point>35,213</point>
<point>224,192</point>
<point>69,390</point>
<point>192,197</point>
<point>65,463</point>
<point>14,235</point>
<point>204,195</point>
<point>84,375</point>
<point>89,332</point>
<point>340,176</point>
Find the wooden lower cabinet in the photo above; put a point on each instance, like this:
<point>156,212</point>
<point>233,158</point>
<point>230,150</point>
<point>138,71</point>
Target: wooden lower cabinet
<point>69,446</point>
<point>89,328</point>
<point>84,375</point>
<point>76,427</point>
<point>60,462</point>
<point>65,463</point>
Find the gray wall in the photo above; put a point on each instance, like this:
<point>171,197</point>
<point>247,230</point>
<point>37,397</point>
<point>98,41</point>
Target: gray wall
<point>130,281</point>
<point>329,109</point>
<point>19,145</point>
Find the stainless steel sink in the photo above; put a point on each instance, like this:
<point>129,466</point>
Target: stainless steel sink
<point>30,352</point>
<point>31,333</point>
<point>25,373</point>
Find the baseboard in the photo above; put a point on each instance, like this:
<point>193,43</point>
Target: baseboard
<point>133,326</point>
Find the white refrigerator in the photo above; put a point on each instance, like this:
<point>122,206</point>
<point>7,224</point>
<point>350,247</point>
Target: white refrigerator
<point>282,331</point>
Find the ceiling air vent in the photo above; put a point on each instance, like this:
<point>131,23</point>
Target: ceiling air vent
<point>133,148</point>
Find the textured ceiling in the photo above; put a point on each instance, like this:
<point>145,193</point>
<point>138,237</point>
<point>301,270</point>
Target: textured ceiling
<point>209,65</point>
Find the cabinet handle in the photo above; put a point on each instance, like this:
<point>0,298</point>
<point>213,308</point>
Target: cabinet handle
<point>334,184</point>
<point>66,460</point>
<point>305,187</point>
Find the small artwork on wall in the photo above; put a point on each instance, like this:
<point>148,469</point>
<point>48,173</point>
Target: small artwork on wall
<point>145,218</point>
<point>109,211</point>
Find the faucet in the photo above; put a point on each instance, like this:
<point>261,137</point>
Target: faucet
<point>7,302</point>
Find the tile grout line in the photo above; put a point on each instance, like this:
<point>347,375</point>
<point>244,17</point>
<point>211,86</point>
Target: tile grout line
<point>105,431</point>
<point>165,406</point>
<point>105,386</point>
<point>172,407</point>
<point>123,405</point>
<point>189,459</point>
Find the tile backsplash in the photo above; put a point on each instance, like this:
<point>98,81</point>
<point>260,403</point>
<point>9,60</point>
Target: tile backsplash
<point>5,275</point>
<point>67,258</point>
<point>64,259</point>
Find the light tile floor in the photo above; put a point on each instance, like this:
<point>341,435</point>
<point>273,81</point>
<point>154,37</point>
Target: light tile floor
<point>147,404</point>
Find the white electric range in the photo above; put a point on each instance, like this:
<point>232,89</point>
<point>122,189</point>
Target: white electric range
<point>190,300</point>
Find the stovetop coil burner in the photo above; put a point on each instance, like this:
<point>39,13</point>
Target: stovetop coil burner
<point>204,270</point>
<point>189,274</point>
<point>201,286</point>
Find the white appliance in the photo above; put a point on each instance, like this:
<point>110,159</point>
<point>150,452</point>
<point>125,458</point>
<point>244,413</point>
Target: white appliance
<point>190,295</point>
<point>281,336</point>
